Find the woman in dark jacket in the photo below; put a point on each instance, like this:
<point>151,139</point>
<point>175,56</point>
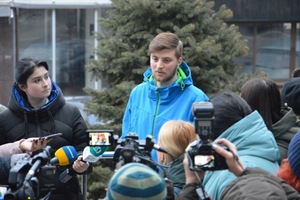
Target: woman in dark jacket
<point>37,108</point>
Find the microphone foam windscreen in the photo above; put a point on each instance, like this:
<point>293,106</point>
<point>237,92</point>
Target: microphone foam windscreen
<point>66,155</point>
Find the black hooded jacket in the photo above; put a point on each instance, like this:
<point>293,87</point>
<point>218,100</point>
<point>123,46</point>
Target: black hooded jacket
<point>21,120</point>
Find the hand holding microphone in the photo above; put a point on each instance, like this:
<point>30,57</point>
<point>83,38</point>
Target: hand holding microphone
<point>67,155</point>
<point>80,165</point>
<point>93,153</point>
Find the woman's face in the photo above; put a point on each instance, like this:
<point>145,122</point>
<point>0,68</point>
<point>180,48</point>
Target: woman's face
<point>38,85</point>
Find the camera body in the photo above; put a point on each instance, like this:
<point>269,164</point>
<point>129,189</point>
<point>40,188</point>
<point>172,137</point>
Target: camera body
<point>24,184</point>
<point>131,149</point>
<point>202,156</point>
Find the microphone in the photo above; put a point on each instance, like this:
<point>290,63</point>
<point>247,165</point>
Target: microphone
<point>37,161</point>
<point>64,156</point>
<point>158,148</point>
<point>93,154</point>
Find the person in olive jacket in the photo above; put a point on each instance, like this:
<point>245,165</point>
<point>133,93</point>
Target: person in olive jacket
<point>37,108</point>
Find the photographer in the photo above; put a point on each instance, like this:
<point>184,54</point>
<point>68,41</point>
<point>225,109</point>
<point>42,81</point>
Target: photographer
<point>234,120</point>
<point>253,183</point>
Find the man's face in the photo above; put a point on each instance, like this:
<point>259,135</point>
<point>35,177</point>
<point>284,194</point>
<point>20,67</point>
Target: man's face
<point>164,66</point>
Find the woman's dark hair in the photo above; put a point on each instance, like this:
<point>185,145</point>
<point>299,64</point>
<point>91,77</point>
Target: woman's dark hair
<point>25,67</point>
<point>263,95</point>
<point>229,108</point>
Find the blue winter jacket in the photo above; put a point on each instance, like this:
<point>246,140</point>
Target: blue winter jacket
<point>256,147</point>
<point>149,107</point>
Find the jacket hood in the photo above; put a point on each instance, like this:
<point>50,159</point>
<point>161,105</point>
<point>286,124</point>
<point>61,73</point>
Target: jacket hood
<point>184,76</point>
<point>256,147</point>
<point>284,124</point>
<point>166,94</point>
<point>20,106</point>
<point>259,184</point>
<point>252,138</point>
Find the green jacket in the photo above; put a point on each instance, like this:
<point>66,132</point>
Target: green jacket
<point>284,130</point>
<point>176,173</point>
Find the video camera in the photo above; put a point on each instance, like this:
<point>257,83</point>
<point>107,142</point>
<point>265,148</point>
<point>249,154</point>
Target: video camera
<point>29,178</point>
<point>131,149</point>
<point>201,154</point>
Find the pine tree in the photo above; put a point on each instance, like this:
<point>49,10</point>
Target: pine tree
<point>210,46</point>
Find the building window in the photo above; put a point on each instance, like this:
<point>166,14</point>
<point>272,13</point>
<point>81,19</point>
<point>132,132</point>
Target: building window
<point>70,50</point>
<point>73,40</point>
<point>269,49</point>
<point>298,46</point>
<point>34,34</point>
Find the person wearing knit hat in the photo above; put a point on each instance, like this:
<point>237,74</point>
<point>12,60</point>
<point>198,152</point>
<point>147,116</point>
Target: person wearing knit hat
<point>294,154</point>
<point>290,94</point>
<point>290,167</point>
<point>136,181</point>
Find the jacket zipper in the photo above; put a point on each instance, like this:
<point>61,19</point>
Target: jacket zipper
<point>156,111</point>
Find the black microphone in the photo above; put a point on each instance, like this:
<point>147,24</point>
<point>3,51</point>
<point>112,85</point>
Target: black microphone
<point>158,148</point>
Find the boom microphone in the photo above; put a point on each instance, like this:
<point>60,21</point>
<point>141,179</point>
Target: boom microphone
<point>64,156</point>
<point>93,154</point>
<point>158,148</point>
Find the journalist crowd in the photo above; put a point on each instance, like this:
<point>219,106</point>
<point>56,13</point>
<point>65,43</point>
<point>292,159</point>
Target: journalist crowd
<point>224,146</point>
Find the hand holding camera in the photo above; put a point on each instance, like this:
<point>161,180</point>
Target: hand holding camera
<point>202,155</point>
<point>233,162</point>
<point>206,155</point>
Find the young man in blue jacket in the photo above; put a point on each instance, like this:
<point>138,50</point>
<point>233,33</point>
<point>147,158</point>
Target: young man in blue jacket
<point>167,92</point>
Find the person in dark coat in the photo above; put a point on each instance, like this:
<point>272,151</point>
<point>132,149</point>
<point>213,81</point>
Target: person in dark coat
<point>38,108</point>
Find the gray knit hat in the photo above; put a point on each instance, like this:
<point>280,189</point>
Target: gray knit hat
<point>136,181</point>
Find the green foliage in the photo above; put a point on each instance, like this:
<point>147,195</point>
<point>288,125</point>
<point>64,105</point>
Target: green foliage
<point>98,182</point>
<point>210,46</point>
<point>237,84</point>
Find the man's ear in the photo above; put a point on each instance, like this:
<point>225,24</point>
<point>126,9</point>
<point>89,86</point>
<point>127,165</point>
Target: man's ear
<point>22,87</point>
<point>179,61</point>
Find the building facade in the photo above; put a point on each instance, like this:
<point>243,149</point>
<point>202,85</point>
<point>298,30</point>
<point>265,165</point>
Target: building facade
<point>62,32</point>
<point>271,28</point>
